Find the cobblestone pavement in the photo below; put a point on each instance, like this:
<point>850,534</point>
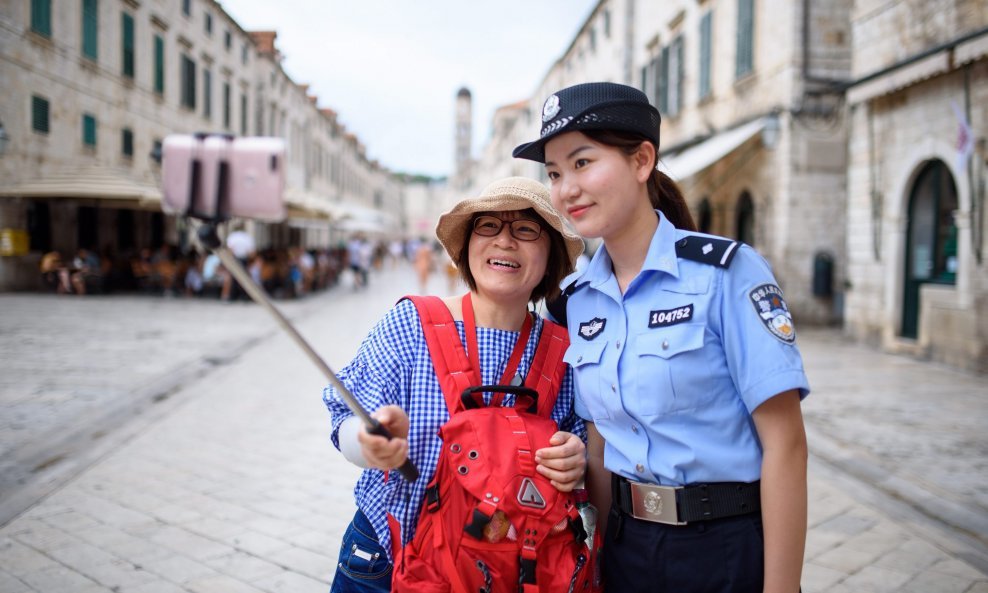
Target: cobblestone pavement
<point>224,479</point>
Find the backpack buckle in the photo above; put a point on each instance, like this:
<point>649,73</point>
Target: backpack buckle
<point>471,401</point>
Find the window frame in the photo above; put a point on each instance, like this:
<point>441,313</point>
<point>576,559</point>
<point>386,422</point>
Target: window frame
<point>40,115</point>
<point>128,66</point>
<point>89,128</point>
<point>90,29</point>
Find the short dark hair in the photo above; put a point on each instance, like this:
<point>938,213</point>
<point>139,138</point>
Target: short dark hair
<point>557,265</point>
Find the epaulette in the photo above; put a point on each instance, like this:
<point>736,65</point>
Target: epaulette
<point>708,250</point>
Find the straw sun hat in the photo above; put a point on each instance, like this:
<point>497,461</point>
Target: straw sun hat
<point>512,193</point>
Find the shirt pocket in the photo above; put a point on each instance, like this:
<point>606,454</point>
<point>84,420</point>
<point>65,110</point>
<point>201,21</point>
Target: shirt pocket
<point>584,357</point>
<point>671,370</point>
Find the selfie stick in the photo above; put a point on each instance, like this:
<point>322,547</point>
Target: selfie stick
<point>209,238</point>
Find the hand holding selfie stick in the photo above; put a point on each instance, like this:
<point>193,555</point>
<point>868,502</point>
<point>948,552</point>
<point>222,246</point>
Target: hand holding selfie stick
<point>202,173</point>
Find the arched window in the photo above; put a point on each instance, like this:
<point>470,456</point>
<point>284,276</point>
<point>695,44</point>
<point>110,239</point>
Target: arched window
<point>745,219</point>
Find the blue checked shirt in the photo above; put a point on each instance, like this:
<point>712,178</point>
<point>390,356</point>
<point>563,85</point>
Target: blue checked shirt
<point>393,366</point>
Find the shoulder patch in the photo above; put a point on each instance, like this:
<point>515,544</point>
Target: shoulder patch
<point>773,312</point>
<point>714,251</point>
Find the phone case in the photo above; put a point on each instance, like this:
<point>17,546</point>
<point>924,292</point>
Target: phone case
<point>257,178</point>
<point>176,173</point>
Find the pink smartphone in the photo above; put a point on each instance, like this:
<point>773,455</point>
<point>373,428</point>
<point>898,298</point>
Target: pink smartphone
<point>215,177</point>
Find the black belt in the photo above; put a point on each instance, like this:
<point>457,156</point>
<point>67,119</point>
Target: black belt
<point>679,505</point>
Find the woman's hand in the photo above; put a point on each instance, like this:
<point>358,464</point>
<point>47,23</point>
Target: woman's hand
<point>383,453</point>
<point>564,462</point>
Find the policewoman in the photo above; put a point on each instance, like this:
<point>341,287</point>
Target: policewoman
<point>685,363</point>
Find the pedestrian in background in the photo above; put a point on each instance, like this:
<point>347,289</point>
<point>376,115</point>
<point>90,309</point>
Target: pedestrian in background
<point>424,264</point>
<point>512,249</point>
<point>685,363</point>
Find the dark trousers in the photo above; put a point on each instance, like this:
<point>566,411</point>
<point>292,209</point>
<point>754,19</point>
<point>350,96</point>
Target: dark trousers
<point>363,566</point>
<point>718,556</point>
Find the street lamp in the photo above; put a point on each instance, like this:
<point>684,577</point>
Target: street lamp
<point>770,133</point>
<point>4,139</point>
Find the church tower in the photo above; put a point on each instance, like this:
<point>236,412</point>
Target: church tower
<point>464,135</point>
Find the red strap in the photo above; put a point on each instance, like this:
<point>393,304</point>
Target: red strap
<point>547,370</point>
<point>470,329</point>
<point>450,361</point>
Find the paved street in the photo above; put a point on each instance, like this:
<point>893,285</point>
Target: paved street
<point>182,446</point>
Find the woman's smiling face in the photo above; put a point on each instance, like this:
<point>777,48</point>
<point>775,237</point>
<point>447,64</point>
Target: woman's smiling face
<point>504,266</point>
<point>595,186</point>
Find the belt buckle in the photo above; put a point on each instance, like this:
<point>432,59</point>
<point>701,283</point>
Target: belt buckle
<point>654,503</point>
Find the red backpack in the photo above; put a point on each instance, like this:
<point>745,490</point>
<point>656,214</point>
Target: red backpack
<point>489,521</point>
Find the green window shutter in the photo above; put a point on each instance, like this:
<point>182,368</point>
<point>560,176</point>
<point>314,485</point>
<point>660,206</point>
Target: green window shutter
<point>127,48</point>
<point>706,41</point>
<point>39,114</point>
<point>88,130</point>
<point>127,142</point>
<point>680,72</point>
<point>226,105</point>
<point>159,65</point>
<point>188,82</point>
<point>664,81</point>
<point>90,29</point>
<point>41,17</point>
<point>746,29</point>
<point>243,114</point>
<point>207,93</point>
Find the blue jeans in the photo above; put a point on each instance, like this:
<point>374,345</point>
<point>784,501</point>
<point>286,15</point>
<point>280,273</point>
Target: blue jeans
<point>363,566</point>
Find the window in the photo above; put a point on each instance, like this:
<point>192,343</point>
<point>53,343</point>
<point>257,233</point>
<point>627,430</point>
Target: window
<point>90,29</point>
<point>39,114</point>
<point>661,90</point>
<point>159,64</point>
<point>127,142</point>
<point>208,24</point>
<point>746,38</point>
<point>127,45</point>
<point>607,23</point>
<point>593,40</point>
<point>674,76</point>
<point>226,105</point>
<point>88,129</point>
<point>706,42</point>
<point>243,53</point>
<point>227,40</point>
<point>188,82</point>
<point>243,114</point>
<point>187,7</point>
<point>41,17</point>
<point>207,93</point>
<point>745,219</point>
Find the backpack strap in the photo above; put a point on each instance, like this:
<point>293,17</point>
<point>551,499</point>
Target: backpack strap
<point>448,356</point>
<point>545,375</point>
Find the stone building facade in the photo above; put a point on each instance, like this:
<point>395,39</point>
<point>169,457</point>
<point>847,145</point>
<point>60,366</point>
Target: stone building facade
<point>917,277</point>
<point>91,90</point>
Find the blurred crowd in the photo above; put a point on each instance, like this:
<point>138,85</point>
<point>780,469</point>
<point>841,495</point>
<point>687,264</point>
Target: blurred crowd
<point>284,273</point>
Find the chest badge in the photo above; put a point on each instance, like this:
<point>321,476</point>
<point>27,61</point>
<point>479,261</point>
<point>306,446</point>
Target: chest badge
<point>773,312</point>
<point>529,495</point>
<point>591,329</point>
<point>670,316</point>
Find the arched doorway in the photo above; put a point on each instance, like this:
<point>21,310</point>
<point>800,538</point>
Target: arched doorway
<point>745,219</point>
<point>705,216</point>
<point>931,239</point>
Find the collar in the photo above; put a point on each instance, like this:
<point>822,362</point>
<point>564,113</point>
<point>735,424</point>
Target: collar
<point>661,257</point>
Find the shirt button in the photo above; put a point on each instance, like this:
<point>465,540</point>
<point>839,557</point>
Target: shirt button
<point>640,468</point>
<point>613,387</point>
<point>579,359</point>
<point>634,428</point>
<point>618,344</point>
<point>665,344</point>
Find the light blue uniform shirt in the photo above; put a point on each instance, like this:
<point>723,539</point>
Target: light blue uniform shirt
<point>670,371</point>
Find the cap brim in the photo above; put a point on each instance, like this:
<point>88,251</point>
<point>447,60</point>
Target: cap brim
<point>532,151</point>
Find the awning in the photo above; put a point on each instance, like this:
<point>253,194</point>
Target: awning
<point>357,218</point>
<point>112,186</point>
<point>304,204</point>
<point>900,78</point>
<point>697,158</point>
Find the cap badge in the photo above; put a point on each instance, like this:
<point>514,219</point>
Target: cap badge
<point>551,108</point>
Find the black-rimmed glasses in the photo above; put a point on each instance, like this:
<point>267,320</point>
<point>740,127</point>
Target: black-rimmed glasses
<point>522,229</point>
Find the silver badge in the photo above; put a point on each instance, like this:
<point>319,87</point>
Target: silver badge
<point>653,503</point>
<point>529,495</point>
<point>551,108</point>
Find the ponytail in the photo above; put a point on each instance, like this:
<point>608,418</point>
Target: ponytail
<point>664,195</point>
<point>663,192</point>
